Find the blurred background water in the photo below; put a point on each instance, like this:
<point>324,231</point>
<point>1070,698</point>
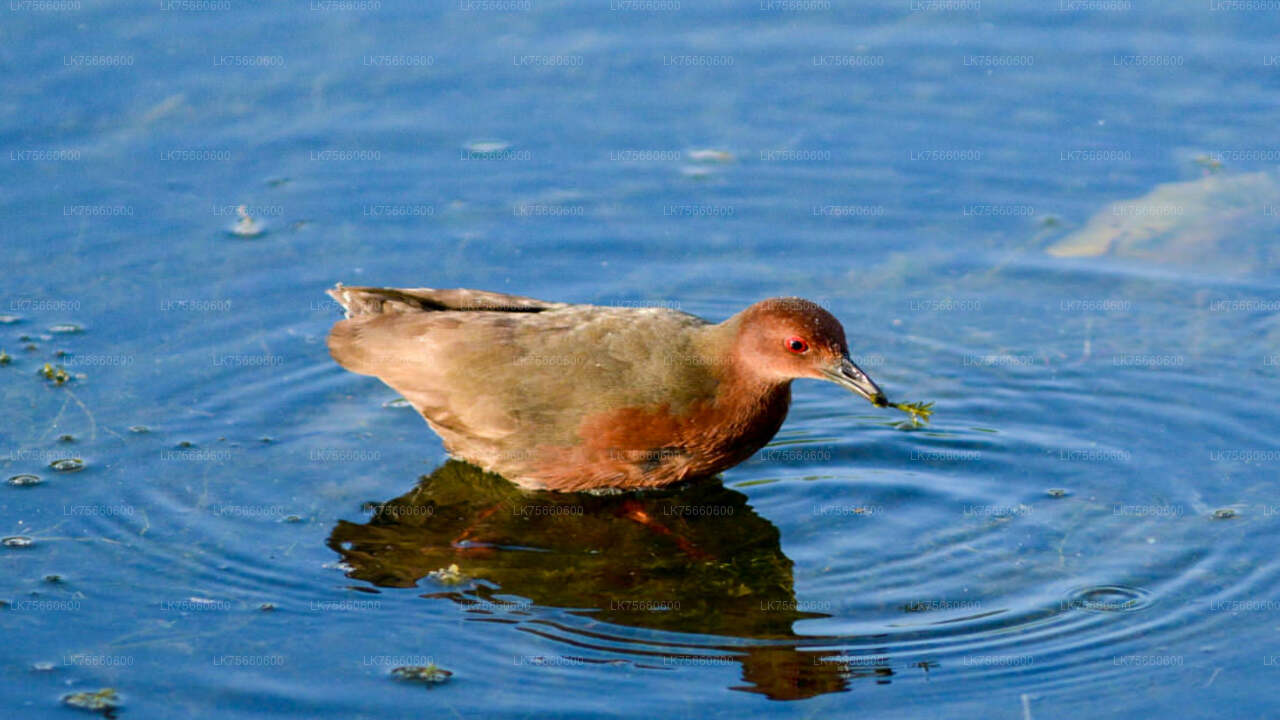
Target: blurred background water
<point>1088,525</point>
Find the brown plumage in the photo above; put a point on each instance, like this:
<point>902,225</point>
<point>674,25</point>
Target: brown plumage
<point>576,397</point>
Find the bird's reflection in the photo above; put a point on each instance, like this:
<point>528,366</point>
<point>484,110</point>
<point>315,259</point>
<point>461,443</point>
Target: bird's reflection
<point>696,559</point>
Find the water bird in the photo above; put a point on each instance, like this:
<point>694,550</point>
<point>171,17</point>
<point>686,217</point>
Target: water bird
<point>571,397</point>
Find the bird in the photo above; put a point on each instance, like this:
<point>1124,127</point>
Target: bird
<point>574,397</point>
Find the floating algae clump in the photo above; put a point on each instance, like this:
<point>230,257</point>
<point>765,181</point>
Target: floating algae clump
<point>429,674</point>
<point>451,575</point>
<point>57,374</point>
<point>105,701</point>
<point>246,226</point>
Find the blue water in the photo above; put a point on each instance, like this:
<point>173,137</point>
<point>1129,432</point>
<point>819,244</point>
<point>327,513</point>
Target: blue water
<point>1052,544</point>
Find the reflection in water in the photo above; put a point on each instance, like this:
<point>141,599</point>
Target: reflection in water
<point>696,559</point>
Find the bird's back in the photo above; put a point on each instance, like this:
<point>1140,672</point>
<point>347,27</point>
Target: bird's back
<point>502,378</point>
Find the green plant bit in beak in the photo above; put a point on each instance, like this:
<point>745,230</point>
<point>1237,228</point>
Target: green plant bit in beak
<point>920,412</point>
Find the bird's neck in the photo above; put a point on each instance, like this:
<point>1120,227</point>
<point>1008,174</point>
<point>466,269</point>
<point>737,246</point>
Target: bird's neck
<point>751,407</point>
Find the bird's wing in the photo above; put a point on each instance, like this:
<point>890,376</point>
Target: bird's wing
<point>499,381</point>
<point>376,301</point>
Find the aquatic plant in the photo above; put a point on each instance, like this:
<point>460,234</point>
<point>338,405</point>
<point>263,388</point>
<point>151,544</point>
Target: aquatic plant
<point>920,412</point>
<point>429,674</point>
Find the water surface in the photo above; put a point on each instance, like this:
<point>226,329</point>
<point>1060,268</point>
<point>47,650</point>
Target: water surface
<point>1087,527</point>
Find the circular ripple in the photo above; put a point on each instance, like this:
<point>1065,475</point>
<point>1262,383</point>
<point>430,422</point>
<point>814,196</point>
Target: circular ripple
<point>1110,598</point>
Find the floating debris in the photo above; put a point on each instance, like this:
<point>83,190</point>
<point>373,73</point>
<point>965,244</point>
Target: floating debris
<point>451,575</point>
<point>267,607</point>
<point>57,374</point>
<point>43,666</point>
<point>54,579</point>
<point>105,701</point>
<point>5,359</point>
<point>17,541</point>
<point>486,147</point>
<point>139,429</point>
<point>186,444</point>
<point>429,674</point>
<point>67,465</point>
<point>65,328</point>
<point>67,438</point>
<point>1056,492</point>
<point>247,226</point>
<point>696,172</point>
<point>25,480</point>
<point>396,403</point>
<point>1224,514</point>
<point>1208,162</point>
<point>9,319</point>
<point>709,155</point>
<point>291,519</point>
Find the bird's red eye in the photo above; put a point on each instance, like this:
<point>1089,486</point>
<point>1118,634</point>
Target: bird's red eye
<point>797,345</point>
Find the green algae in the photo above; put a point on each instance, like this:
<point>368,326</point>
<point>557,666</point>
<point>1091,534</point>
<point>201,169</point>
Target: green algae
<point>56,374</point>
<point>920,412</point>
<point>429,674</point>
<point>105,701</point>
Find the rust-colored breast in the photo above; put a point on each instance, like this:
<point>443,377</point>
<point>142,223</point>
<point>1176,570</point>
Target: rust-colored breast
<point>635,447</point>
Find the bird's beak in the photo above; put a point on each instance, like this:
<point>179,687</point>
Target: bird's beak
<point>850,376</point>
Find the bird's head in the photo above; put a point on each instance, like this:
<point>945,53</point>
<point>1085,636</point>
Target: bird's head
<point>783,339</point>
